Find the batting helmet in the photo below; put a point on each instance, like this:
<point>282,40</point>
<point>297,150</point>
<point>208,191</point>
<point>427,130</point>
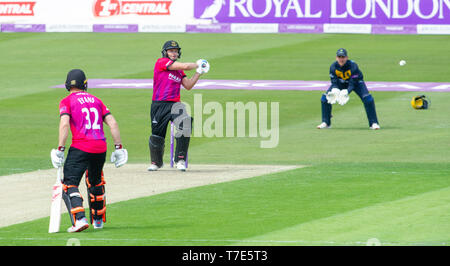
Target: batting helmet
<point>420,102</point>
<point>76,79</point>
<point>170,45</point>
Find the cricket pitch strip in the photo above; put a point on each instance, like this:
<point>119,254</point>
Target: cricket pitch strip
<point>27,196</point>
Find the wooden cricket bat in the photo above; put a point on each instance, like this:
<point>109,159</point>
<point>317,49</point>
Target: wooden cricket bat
<point>55,211</point>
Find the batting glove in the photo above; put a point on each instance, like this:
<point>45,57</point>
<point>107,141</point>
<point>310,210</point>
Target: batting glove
<point>343,97</point>
<point>120,156</point>
<point>332,96</point>
<point>203,66</point>
<point>57,156</point>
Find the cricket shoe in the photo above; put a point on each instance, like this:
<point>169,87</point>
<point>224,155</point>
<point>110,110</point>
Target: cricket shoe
<point>181,165</point>
<point>98,224</point>
<point>154,167</point>
<point>323,126</point>
<point>375,126</point>
<point>79,226</point>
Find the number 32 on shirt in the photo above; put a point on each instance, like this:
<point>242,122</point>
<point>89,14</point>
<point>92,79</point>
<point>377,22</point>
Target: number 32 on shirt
<point>89,124</point>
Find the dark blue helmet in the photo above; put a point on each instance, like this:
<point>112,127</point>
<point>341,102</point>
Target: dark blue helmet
<point>76,79</point>
<point>170,45</point>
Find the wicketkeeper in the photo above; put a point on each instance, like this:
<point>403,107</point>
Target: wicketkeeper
<point>167,80</point>
<point>345,78</point>
<point>85,114</point>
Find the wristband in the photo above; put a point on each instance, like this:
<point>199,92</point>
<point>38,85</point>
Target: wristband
<point>118,146</point>
<point>61,148</point>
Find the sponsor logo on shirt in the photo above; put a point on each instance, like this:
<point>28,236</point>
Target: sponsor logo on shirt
<point>174,78</point>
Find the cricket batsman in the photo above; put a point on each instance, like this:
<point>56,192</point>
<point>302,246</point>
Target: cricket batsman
<point>166,106</point>
<point>85,115</point>
<point>345,78</point>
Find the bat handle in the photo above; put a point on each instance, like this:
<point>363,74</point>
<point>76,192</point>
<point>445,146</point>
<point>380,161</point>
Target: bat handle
<point>60,173</point>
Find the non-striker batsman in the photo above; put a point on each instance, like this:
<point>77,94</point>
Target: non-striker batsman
<point>85,114</point>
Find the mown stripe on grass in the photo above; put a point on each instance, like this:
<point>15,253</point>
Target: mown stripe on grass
<point>235,242</point>
<point>250,208</point>
<point>413,220</point>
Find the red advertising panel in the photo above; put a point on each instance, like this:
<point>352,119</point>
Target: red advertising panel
<point>17,8</point>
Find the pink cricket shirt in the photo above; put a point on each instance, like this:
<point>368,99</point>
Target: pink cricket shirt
<point>86,121</point>
<point>166,83</point>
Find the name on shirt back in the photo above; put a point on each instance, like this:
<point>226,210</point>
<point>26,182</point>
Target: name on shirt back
<point>83,100</point>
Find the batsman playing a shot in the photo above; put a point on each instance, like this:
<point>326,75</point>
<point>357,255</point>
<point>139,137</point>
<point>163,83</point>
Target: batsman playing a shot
<point>85,114</point>
<point>345,78</point>
<point>167,80</point>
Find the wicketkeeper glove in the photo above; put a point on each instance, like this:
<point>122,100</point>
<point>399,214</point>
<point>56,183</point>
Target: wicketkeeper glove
<point>120,156</point>
<point>343,97</point>
<point>57,156</point>
<point>203,66</point>
<point>332,96</point>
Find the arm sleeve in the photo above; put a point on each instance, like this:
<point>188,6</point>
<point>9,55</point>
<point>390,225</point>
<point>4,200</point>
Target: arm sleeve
<point>64,108</point>
<point>354,78</point>
<point>163,64</point>
<point>105,111</point>
<point>333,77</point>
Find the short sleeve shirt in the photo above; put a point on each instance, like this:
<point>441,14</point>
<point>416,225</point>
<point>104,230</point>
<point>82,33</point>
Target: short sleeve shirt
<point>87,113</point>
<point>166,83</point>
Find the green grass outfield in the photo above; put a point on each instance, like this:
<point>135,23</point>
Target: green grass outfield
<point>392,184</point>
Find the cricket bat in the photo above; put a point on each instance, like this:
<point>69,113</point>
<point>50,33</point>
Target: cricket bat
<point>171,144</point>
<point>55,211</point>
